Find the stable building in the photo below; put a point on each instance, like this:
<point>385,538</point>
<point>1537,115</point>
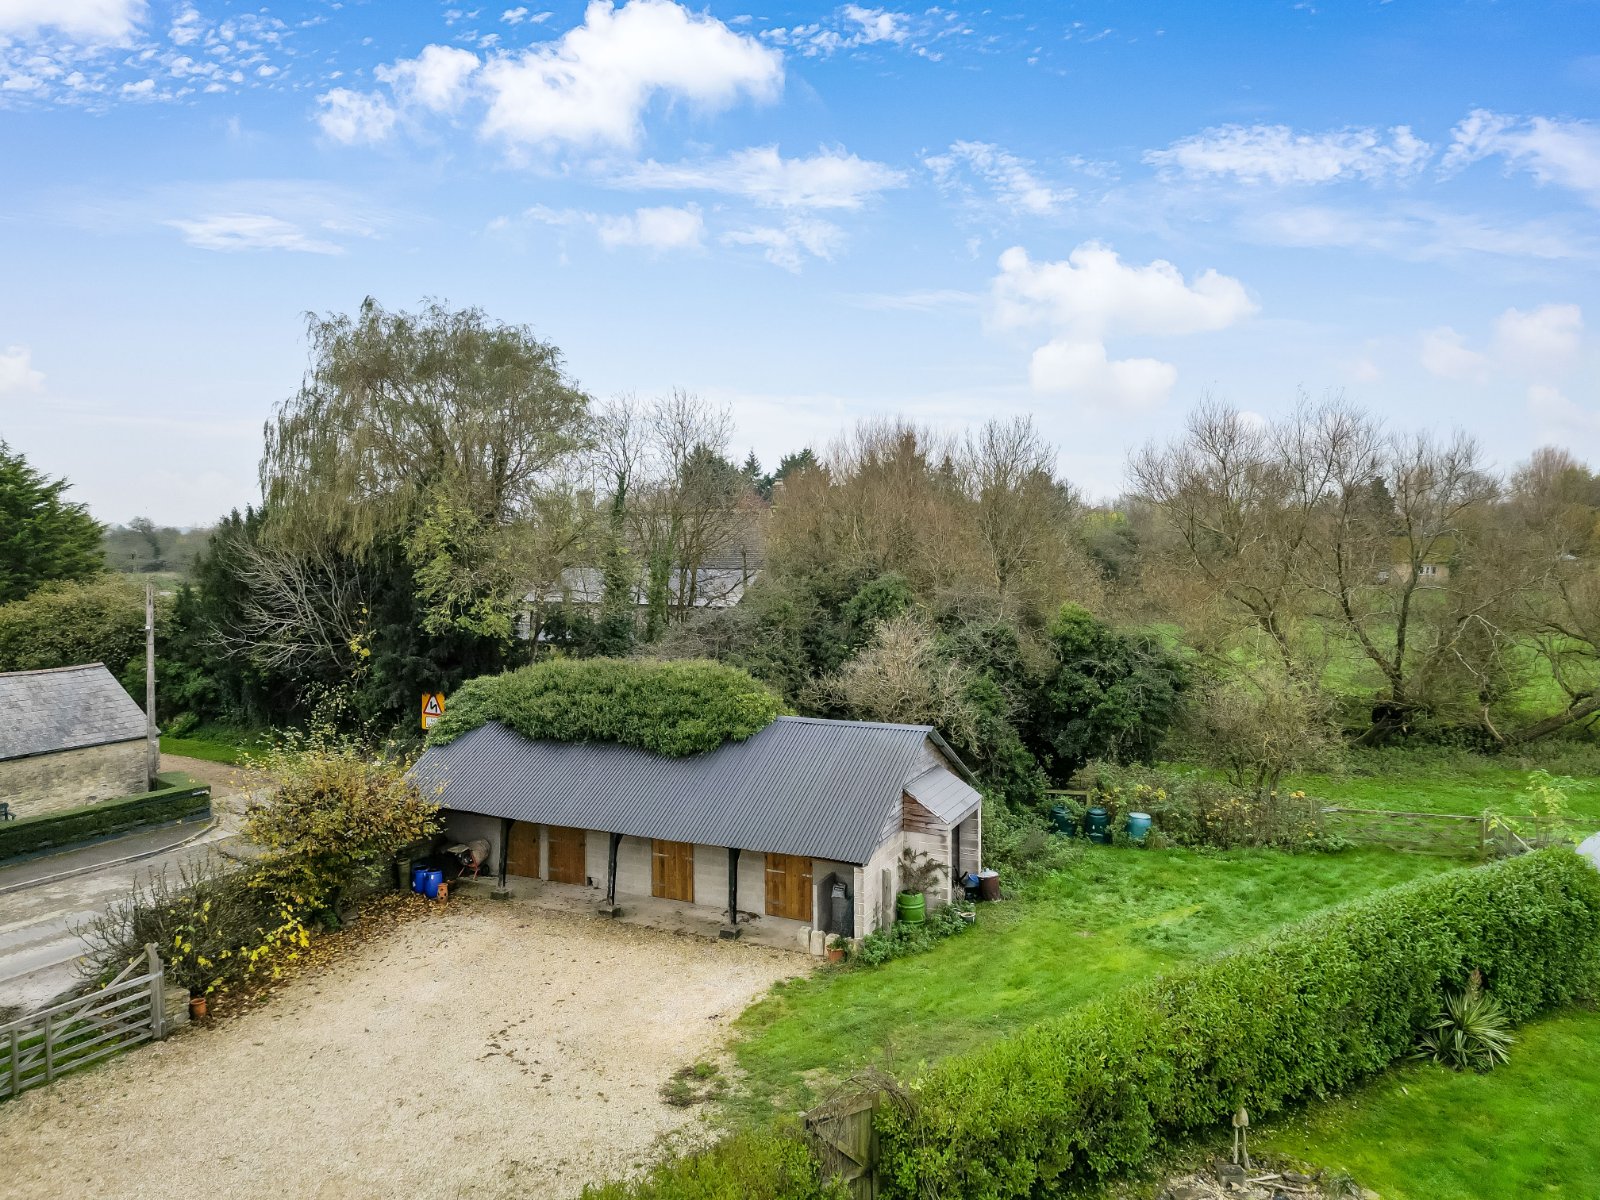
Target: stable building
<point>70,736</point>
<point>803,823</point>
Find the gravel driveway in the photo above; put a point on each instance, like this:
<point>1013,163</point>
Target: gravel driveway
<point>491,1050</point>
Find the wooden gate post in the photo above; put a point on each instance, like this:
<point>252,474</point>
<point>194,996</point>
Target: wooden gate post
<point>158,993</point>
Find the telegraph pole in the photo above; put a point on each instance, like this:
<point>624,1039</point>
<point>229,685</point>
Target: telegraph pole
<point>152,735</point>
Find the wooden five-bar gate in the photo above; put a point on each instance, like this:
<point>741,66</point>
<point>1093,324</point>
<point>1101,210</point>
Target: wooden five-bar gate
<point>44,1045</point>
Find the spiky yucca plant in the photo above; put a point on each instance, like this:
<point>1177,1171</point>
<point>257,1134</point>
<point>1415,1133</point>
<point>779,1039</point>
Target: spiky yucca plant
<point>1470,1032</point>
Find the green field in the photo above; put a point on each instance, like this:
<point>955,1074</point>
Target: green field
<point>214,744</point>
<point>1112,918</point>
<point>1454,781</point>
<point>1423,1132</point>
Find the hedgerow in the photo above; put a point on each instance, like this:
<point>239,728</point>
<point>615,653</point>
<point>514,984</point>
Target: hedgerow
<point>1301,1014</point>
<point>761,1165</point>
<point>672,708</point>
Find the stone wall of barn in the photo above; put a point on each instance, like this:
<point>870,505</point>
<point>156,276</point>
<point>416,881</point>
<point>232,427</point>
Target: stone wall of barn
<point>47,783</point>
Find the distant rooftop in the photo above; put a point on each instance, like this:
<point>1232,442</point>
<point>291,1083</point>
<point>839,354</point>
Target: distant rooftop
<point>68,708</point>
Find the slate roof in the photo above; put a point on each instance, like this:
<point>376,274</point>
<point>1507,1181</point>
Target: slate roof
<point>68,708</point>
<point>823,789</point>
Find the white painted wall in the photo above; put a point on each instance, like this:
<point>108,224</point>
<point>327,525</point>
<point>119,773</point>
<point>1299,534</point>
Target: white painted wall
<point>467,827</point>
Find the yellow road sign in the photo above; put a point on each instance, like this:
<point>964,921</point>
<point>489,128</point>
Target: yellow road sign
<point>432,707</point>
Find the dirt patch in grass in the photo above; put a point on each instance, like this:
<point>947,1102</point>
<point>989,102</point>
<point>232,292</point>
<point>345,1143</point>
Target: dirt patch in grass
<point>493,1050</point>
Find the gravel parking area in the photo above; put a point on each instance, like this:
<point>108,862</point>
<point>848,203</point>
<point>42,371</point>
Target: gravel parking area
<point>490,1050</point>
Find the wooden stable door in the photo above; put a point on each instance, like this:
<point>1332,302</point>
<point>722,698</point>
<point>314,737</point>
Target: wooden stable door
<point>789,887</point>
<point>522,850</point>
<point>567,855</point>
<point>672,870</point>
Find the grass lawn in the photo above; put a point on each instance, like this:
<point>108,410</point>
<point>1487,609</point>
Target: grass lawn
<point>1428,1133</point>
<point>1443,781</point>
<point>1114,917</point>
<point>214,744</point>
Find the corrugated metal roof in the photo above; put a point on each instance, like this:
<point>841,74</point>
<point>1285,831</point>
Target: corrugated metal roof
<point>68,708</point>
<point>944,794</point>
<point>825,789</point>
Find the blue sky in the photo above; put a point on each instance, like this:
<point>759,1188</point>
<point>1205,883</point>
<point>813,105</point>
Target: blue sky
<point>1098,213</point>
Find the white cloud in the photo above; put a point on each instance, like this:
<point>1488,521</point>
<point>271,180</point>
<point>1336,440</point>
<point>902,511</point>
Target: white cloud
<point>1445,353</point>
<point>1416,232</point>
<point>1540,343</point>
<point>877,25</point>
<point>352,117</point>
<point>789,245</point>
<point>1542,340</point>
<point>852,26</point>
<point>593,84</point>
<point>1093,295</point>
<point>654,229</point>
<point>436,79</point>
<point>1565,153</point>
<point>187,26</point>
<point>1561,417</point>
<point>1011,179</point>
<point>828,179</point>
<point>251,231</point>
<point>17,373</point>
<point>1277,154</point>
<point>96,20</point>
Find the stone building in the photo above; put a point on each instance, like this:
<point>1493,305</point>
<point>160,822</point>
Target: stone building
<point>68,737</point>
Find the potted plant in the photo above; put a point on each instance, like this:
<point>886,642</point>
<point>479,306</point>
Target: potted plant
<point>837,948</point>
<point>918,873</point>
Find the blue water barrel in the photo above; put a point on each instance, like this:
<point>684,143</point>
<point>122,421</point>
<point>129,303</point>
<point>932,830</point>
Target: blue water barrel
<point>419,879</point>
<point>1138,826</point>
<point>430,885</point>
<point>1098,823</point>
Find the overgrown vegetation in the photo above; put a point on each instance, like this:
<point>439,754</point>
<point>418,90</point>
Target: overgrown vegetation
<point>672,708</point>
<point>902,938</point>
<point>1094,1092</point>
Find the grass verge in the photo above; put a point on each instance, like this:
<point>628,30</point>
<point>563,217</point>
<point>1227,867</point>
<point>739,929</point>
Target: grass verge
<point>1424,1132</point>
<point>1113,918</point>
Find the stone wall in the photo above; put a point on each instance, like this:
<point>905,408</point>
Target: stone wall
<point>46,783</point>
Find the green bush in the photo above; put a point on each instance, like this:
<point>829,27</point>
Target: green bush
<point>672,708</point>
<point>763,1165</point>
<point>67,624</point>
<point>1300,1014</point>
<point>178,797</point>
<point>903,938</point>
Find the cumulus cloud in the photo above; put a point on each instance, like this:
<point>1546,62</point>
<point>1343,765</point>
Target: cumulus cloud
<point>17,373</point>
<point>1276,154</point>
<point>654,229</point>
<point>827,179</point>
<point>1445,353</point>
<point>436,79</point>
<point>352,117</point>
<point>1010,179</point>
<point>95,20</point>
<point>1561,152</point>
<point>1560,416</point>
<point>592,85</point>
<point>1093,295</point>
<point>251,231</point>
<point>790,244</point>
<point>1541,343</point>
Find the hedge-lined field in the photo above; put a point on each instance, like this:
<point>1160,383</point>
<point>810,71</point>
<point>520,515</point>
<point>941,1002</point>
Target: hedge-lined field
<point>1302,1013</point>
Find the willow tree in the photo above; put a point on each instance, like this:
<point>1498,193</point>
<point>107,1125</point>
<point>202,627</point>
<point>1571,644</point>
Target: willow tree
<point>438,433</point>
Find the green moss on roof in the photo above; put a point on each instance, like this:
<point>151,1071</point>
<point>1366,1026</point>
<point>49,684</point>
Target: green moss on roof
<point>673,708</point>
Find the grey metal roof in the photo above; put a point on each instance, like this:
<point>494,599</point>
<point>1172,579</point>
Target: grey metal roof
<point>824,789</point>
<point>64,709</point>
<point>945,794</point>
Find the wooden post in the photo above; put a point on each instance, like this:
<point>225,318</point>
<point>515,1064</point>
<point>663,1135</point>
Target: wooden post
<point>49,1049</point>
<point>733,885</point>
<point>505,848</point>
<point>158,993</point>
<point>611,871</point>
<point>152,735</point>
<point>16,1062</point>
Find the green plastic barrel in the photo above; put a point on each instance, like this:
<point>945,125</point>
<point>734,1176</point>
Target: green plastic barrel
<point>1099,825</point>
<point>911,907</point>
<point>1062,820</point>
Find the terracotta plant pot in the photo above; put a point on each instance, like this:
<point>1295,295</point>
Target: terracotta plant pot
<point>835,955</point>
<point>197,1008</point>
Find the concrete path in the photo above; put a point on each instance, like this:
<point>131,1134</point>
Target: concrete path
<point>46,902</point>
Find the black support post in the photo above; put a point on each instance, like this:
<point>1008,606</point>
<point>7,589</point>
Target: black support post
<point>731,929</point>
<point>505,847</point>
<point>611,870</point>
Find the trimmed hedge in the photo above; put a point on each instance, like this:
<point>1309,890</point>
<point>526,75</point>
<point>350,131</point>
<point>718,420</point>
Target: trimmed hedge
<point>673,708</point>
<point>179,796</point>
<point>1303,1013</point>
<point>760,1165</point>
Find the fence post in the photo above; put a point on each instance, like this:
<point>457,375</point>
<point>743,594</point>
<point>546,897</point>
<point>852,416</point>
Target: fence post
<point>16,1062</point>
<point>158,993</point>
<point>49,1049</point>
